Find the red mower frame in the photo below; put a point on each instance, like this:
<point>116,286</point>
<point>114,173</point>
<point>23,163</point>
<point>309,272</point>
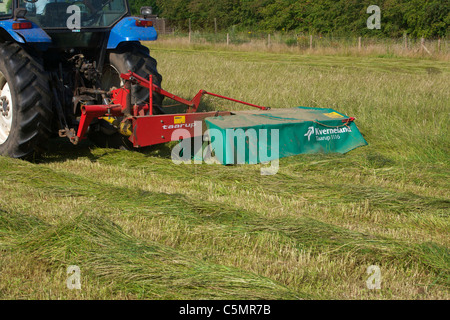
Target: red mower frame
<point>147,128</point>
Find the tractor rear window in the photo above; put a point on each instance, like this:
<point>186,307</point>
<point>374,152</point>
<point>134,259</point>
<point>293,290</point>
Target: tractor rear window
<point>74,14</point>
<point>5,8</point>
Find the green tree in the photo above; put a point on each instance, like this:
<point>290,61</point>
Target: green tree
<point>428,18</point>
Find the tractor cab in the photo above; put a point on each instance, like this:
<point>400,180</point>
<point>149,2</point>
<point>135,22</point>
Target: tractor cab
<point>66,24</point>
<point>49,14</point>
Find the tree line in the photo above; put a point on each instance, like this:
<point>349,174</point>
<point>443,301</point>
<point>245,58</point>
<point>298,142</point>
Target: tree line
<point>418,18</point>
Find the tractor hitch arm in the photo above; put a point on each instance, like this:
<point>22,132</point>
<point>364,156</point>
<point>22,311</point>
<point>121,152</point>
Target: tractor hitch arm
<point>193,104</point>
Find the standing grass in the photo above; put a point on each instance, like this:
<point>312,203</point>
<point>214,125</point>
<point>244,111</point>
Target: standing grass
<point>300,44</point>
<point>141,227</point>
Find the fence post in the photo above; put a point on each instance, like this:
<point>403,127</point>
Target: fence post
<point>422,44</point>
<point>310,42</point>
<point>359,44</point>
<point>228,39</point>
<point>215,25</point>
<point>164,26</point>
<point>439,45</point>
<point>268,41</point>
<point>189,30</point>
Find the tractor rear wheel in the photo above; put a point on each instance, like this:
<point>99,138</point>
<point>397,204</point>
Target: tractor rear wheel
<point>25,103</point>
<point>128,57</point>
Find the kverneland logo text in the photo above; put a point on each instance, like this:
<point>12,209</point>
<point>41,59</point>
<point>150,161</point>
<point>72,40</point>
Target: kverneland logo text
<point>331,133</point>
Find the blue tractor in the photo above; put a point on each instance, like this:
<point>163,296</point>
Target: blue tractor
<point>59,55</point>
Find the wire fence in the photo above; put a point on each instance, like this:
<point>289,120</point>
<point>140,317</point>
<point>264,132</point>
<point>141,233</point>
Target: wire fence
<point>405,45</point>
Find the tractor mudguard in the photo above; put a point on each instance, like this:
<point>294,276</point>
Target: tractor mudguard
<point>127,30</point>
<point>34,35</point>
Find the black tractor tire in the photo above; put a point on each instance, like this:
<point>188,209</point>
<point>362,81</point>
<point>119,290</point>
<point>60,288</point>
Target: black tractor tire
<point>128,57</point>
<point>28,87</point>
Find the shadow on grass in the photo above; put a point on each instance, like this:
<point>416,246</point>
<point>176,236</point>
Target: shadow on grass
<point>60,149</point>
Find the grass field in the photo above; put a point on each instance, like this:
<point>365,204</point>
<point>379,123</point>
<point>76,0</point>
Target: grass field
<point>139,226</point>
<point>290,42</point>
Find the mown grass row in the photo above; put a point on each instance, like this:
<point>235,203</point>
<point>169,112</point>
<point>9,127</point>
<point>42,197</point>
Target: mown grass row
<point>140,226</point>
<point>151,241</point>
